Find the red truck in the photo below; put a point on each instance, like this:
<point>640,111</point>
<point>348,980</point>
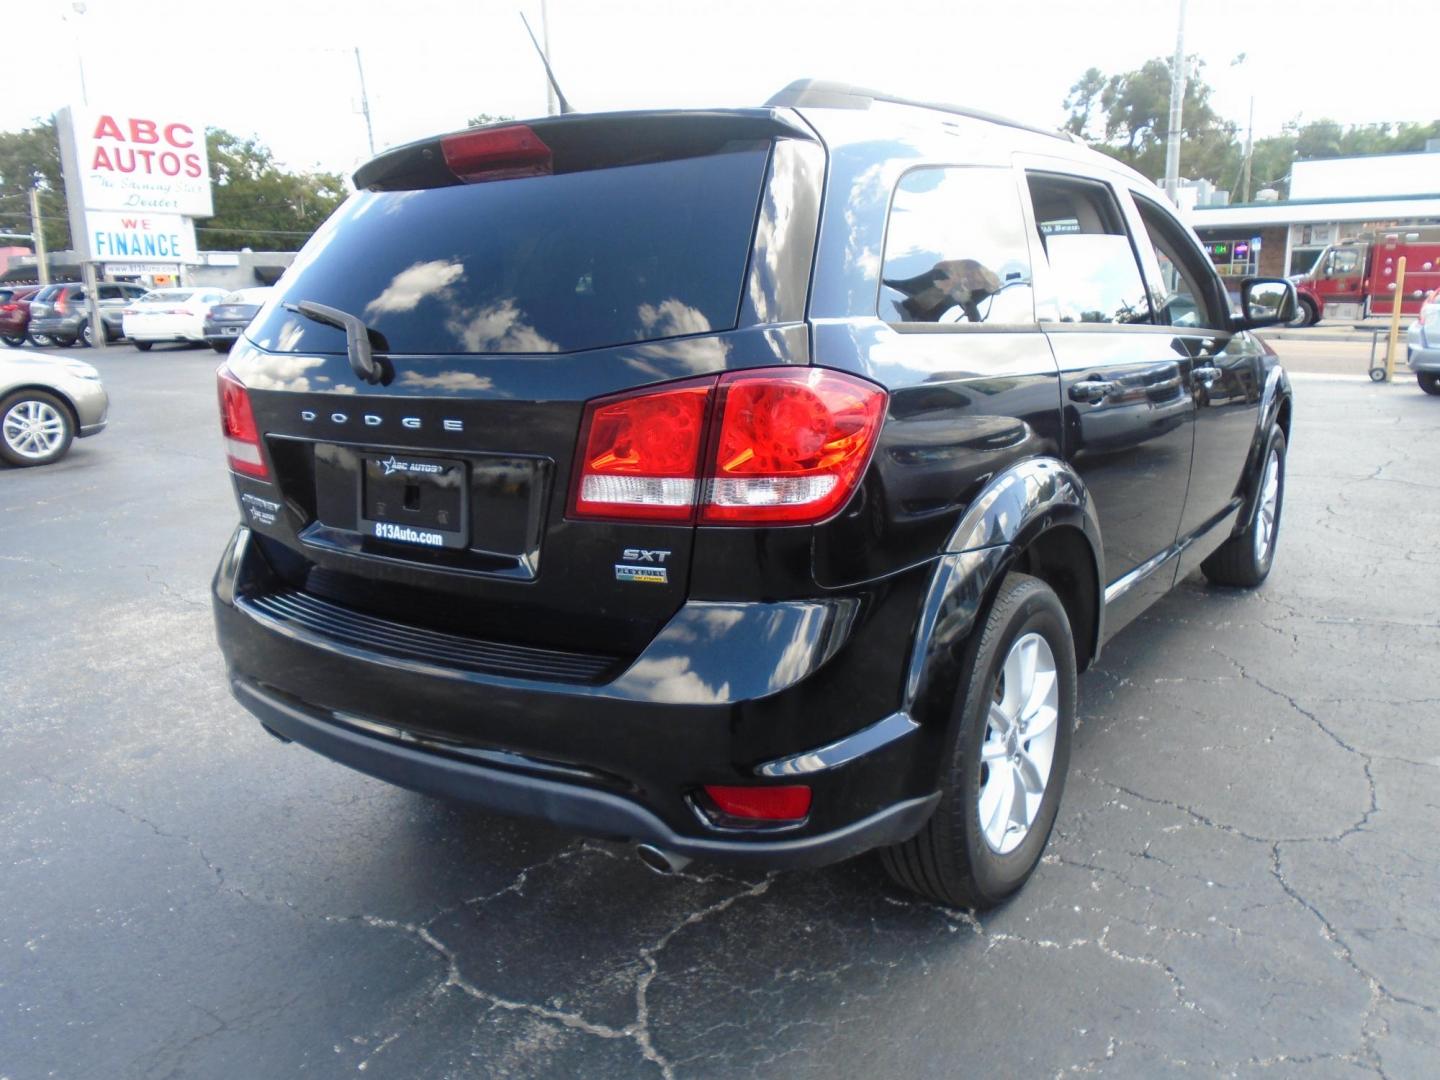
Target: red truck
<point>1356,278</point>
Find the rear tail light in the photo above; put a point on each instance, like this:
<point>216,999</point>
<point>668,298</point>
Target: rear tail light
<point>781,446</point>
<point>9,307</point>
<point>789,445</point>
<point>237,422</point>
<point>640,454</point>
<point>789,802</point>
<point>62,305</point>
<point>499,153</point>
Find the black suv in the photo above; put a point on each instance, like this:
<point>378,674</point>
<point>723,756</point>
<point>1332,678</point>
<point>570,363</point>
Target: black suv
<point>748,484</point>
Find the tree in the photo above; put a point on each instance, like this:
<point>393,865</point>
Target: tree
<point>1128,117</point>
<point>30,158</point>
<point>258,204</point>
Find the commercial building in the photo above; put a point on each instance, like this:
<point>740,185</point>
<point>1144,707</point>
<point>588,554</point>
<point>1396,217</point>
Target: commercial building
<point>1331,200</point>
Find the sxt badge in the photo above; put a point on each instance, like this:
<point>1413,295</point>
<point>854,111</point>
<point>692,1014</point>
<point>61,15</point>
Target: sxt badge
<point>643,565</point>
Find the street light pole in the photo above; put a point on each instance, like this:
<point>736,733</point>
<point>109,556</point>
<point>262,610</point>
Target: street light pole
<point>1177,102</point>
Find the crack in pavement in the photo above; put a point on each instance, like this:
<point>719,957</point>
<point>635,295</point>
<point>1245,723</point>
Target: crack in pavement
<point>638,1030</point>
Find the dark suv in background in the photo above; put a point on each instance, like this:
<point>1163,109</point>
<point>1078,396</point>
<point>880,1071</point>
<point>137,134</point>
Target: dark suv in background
<point>748,484</point>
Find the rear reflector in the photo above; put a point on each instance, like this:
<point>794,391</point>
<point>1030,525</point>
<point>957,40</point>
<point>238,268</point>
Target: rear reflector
<point>498,153</point>
<point>788,803</point>
<point>237,422</point>
<point>783,446</point>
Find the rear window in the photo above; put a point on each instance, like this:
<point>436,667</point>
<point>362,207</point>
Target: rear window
<point>539,265</point>
<point>167,295</point>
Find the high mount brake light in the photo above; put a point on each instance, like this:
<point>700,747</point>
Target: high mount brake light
<point>500,153</point>
<point>237,422</point>
<point>781,446</point>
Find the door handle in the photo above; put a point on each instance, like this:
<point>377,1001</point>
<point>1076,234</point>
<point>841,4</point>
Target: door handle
<point>1206,374</point>
<point>1092,391</point>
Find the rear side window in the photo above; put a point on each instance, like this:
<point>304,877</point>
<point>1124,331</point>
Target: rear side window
<point>545,264</point>
<point>955,250</point>
<point>1093,271</point>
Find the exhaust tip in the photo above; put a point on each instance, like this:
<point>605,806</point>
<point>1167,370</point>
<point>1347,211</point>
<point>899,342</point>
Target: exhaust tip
<point>660,861</point>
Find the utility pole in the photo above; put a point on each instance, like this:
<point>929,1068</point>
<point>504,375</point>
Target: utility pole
<point>365,102</point>
<point>1177,101</point>
<point>550,104</point>
<point>37,233</point>
<point>1249,151</point>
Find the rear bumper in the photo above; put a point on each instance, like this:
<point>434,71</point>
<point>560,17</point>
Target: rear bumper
<point>572,806</point>
<point>58,325</point>
<point>623,758</point>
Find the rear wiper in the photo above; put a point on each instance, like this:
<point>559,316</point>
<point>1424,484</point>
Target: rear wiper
<point>357,337</point>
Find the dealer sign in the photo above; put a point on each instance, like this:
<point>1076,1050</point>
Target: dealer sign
<point>136,238</point>
<point>136,161</point>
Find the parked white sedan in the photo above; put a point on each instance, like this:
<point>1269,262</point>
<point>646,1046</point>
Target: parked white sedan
<point>169,315</point>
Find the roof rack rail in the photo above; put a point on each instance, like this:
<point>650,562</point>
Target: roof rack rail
<point>824,94</point>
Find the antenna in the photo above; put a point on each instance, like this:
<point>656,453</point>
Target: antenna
<point>565,106</point>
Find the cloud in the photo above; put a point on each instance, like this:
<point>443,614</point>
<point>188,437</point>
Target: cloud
<point>498,327</point>
<point>415,283</point>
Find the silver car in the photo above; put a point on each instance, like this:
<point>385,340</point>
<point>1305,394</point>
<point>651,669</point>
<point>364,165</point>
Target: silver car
<point>46,403</point>
<point>1422,345</point>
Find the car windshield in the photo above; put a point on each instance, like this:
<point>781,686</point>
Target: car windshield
<point>167,296</point>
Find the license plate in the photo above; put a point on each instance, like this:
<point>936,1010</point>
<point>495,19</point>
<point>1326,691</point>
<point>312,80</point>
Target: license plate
<point>418,501</point>
<point>231,331</point>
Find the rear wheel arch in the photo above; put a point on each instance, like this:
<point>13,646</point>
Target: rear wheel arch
<point>1036,518</point>
<point>1064,559</point>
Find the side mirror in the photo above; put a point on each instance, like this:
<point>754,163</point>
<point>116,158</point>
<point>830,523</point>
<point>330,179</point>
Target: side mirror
<point>1265,302</point>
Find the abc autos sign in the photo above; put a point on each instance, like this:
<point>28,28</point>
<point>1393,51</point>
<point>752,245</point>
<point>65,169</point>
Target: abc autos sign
<point>151,162</point>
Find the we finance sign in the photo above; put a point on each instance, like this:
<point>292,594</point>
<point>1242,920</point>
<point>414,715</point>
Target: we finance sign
<point>137,238</point>
<point>137,161</point>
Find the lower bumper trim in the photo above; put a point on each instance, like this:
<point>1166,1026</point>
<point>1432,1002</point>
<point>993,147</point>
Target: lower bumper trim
<point>571,806</point>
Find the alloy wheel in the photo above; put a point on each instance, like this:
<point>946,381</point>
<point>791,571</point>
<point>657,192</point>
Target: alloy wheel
<point>1269,507</point>
<point>1019,745</point>
<point>33,429</point>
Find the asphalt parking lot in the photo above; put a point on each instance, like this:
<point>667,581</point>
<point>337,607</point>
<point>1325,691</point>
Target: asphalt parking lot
<point>1244,878</point>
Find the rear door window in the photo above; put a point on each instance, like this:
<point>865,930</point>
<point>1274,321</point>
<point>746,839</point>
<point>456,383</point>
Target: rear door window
<point>545,264</point>
<point>956,251</point>
<point>1094,274</point>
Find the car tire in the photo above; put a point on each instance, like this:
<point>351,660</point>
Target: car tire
<point>35,428</point>
<point>1429,381</point>
<point>41,341</point>
<point>14,341</point>
<point>980,846</point>
<point>143,346</point>
<point>1245,559</point>
<point>1305,313</point>
<point>220,346</point>
<point>87,337</point>
<point>64,342</point>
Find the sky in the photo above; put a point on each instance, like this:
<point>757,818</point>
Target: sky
<point>284,70</point>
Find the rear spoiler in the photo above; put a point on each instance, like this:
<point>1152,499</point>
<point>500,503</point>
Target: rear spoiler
<point>580,141</point>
